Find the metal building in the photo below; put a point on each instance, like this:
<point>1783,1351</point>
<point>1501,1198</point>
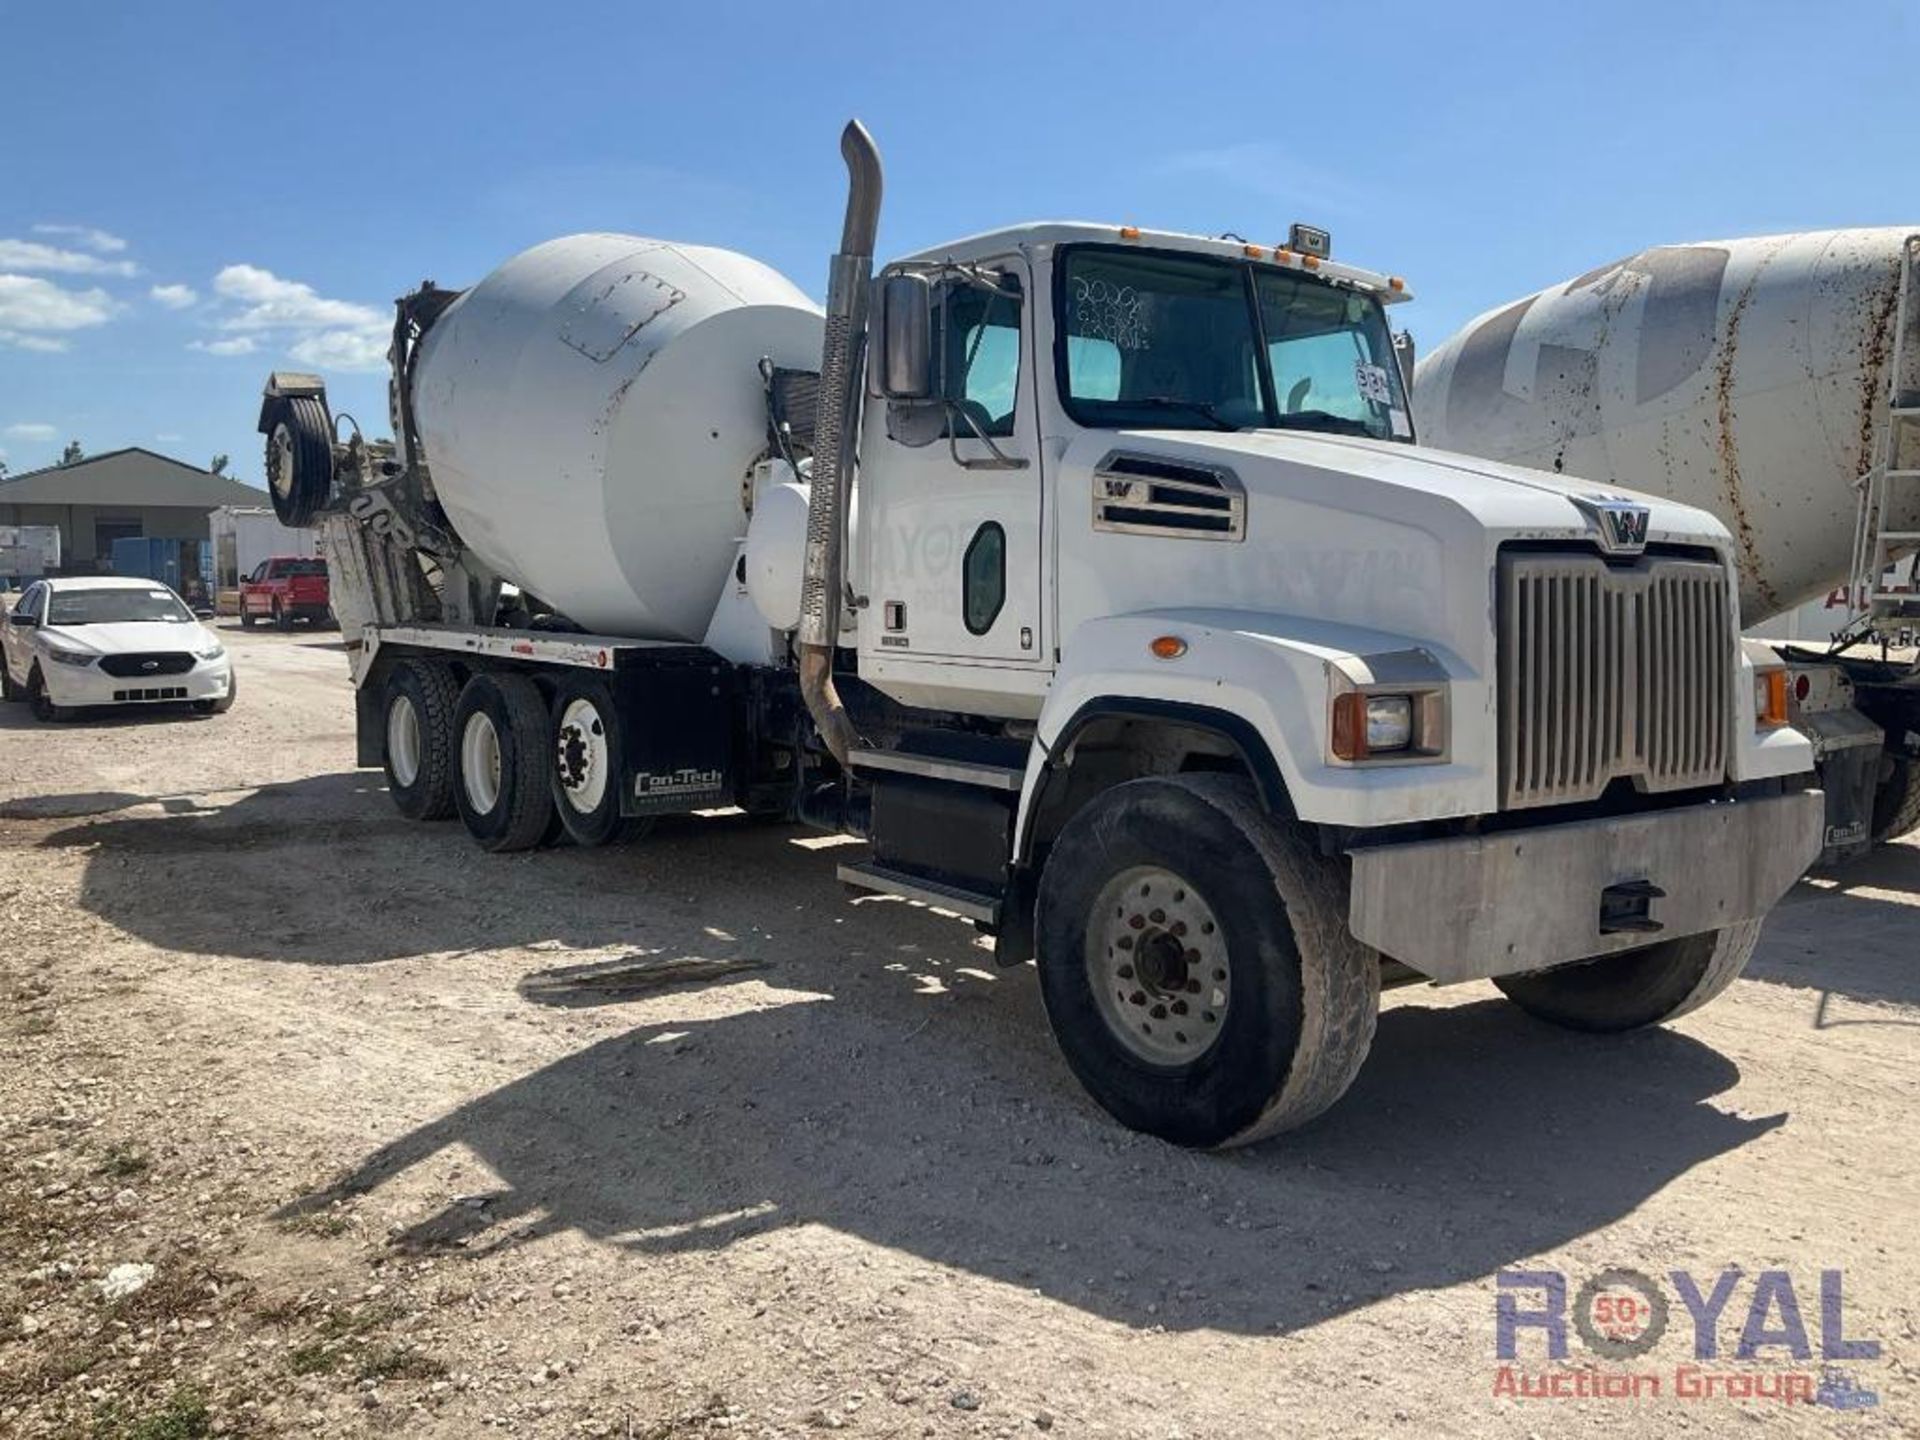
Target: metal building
<point>103,498</point>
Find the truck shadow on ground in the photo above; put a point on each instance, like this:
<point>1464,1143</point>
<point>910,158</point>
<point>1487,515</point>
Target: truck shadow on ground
<point>1851,931</point>
<point>1474,1139</point>
<point>893,1086</point>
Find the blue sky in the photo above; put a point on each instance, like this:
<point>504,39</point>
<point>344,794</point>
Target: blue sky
<point>192,194</point>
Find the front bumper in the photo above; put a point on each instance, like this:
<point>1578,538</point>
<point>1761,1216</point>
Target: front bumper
<point>88,685</point>
<point>1476,906</point>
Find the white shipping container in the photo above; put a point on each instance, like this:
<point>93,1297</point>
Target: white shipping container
<point>244,535</point>
<point>33,549</point>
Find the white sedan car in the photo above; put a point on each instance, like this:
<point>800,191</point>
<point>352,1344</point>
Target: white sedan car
<point>110,640</point>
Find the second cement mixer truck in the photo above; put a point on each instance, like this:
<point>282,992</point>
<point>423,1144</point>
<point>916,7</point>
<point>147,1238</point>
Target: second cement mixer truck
<point>1091,575</point>
<point>1774,380</point>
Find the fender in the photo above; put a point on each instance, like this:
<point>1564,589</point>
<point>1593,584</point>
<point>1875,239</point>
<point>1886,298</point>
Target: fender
<point>1262,682</point>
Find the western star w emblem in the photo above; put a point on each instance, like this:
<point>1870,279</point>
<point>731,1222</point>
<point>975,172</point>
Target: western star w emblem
<point>1622,522</point>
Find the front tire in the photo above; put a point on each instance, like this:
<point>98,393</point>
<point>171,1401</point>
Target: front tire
<point>9,690</point>
<point>1896,803</point>
<point>1196,963</point>
<point>224,703</point>
<point>1635,988</point>
<point>42,704</point>
<point>589,759</point>
<point>502,743</point>
<point>246,616</point>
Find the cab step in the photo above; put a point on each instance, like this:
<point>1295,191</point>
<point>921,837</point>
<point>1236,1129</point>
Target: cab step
<point>968,904</point>
<point>935,767</point>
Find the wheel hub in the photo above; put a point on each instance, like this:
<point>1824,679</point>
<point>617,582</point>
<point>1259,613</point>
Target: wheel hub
<point>1158,965</point>
<point>582,757</point>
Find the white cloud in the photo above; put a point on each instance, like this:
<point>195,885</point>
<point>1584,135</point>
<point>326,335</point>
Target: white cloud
<point>232,345</point>
<point>330,334</point>
<point>175,297</point>
<point>29,304</point>
<point>50,259</point>
<point>32,430</point>
<point>343,350</point>
<point>44,344</point>
<point>167,437</point>
<point>94,239</point>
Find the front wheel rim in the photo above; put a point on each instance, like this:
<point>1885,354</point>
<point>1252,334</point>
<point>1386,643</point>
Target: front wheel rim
<point>403,740</point>
<point>582,756</point>
<point>1158,966</point>
<point>480,762</point>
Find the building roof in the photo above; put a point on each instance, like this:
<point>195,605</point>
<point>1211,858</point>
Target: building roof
<point>133,476</point>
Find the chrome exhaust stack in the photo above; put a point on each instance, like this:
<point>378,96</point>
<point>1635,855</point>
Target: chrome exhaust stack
<point>836,438</point>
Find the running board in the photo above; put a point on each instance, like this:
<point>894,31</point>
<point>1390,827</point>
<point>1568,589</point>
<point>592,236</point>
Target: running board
<point>933,767</point>
<point>968,904</point>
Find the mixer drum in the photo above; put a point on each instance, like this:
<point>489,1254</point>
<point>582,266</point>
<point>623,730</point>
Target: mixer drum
<point>588,414</point>
<point>1747,377</point>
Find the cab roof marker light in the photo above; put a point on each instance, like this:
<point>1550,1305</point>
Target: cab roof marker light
<point>1129,232</point>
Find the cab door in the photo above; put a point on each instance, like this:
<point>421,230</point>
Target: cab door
<point>950,496</point>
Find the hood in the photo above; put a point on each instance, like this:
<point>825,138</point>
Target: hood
<point>1508,501</point>
<point>123,637</point>
<point>1394,539</point>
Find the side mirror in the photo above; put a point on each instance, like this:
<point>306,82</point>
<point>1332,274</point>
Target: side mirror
<point>902,366</point>
<point>1403,351</point>
<point>18,619</point>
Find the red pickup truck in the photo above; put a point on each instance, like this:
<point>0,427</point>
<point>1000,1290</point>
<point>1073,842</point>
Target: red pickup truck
<point>285,589</point>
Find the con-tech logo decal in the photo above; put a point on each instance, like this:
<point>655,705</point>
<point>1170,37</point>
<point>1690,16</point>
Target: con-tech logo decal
<point>1621,1316</point>
<point>649,786</point>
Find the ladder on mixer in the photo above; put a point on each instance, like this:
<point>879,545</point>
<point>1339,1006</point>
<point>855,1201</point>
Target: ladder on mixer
<point>1892,487</point>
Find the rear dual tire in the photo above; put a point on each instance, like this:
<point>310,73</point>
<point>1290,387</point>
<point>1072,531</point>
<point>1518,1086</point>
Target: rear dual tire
<point>588,762</point>
<point>517,770</point>
<point>417,752</point>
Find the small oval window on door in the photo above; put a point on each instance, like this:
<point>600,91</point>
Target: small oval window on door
<point>984,577</point>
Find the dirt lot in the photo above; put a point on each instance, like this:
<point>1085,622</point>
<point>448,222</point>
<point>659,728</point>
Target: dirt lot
<point>267,1037</point>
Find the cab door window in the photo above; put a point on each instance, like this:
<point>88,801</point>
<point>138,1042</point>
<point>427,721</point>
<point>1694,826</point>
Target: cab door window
<point>981,351</point>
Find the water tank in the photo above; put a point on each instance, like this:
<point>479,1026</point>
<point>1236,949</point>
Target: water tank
<point>589,413</point>
<point>1747,377</point>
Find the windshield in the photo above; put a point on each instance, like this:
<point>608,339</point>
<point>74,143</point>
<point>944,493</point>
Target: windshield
<point>1170,341</point>
<point>115,606</point>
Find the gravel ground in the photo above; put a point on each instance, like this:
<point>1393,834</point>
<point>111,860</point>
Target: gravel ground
<point>261,1035</point>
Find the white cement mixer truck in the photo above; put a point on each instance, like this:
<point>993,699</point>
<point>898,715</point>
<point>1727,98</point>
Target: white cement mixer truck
<point>1093,577</point>
<point>1776,382</point>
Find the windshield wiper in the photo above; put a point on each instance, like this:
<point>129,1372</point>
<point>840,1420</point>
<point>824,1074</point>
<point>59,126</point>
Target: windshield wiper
<point>1204,409</point>
<point>1324,420</point>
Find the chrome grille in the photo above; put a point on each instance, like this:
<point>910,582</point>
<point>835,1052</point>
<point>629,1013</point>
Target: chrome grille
<point>1610,671</point>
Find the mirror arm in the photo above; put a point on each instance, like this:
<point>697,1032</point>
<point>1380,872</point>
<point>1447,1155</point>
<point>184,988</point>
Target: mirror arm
<point>1000,461</point>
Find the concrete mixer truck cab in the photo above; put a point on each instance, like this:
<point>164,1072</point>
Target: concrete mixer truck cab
<point>1093,576</point>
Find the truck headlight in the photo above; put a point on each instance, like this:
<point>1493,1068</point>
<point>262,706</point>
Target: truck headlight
<point>1389,722</point>
<point>70,657</point>
<point>1387,727</point>
<point>213,651</point>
